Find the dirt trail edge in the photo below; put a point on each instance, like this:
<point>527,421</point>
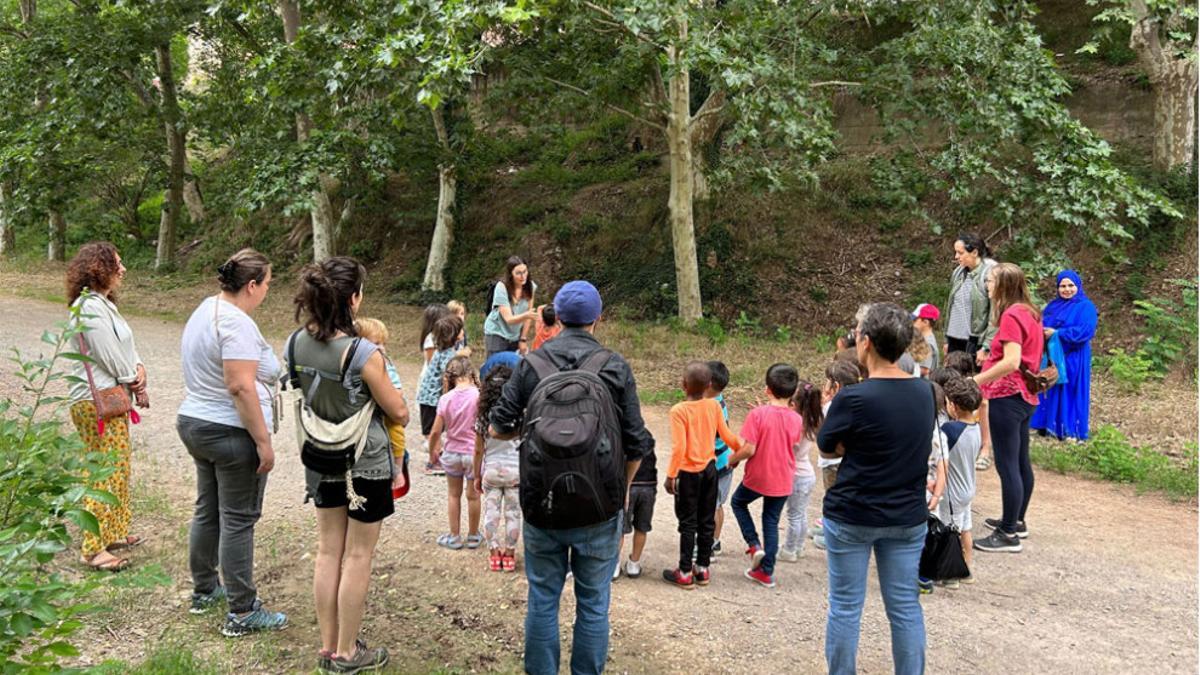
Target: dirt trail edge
<point>1106,583</point>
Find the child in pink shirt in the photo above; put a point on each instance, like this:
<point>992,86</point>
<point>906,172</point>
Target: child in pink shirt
<point>770,432</point>
<point>456,421</point>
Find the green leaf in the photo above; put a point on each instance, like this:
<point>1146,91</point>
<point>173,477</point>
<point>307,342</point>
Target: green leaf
<point>84,519</point>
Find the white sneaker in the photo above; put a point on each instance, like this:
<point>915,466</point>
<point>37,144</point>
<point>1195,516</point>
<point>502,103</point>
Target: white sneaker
<point>617,571</point>
<point>788,555</point>
<point>633,568</point>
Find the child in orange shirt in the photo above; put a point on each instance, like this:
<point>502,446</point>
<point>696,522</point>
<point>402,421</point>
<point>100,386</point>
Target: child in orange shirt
<point>547,326</point>
<point>692,474</point>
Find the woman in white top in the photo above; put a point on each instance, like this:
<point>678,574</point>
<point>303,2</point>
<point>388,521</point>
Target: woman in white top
<point>226,421</point>
<point>93,277</point>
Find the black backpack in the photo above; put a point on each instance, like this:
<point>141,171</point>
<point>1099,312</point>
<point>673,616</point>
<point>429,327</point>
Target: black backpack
<point>572,464</point>
<point>491,298</point>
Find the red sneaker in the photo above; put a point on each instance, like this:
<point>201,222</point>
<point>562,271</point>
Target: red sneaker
<point>761,577</point>
<point>700,576</point>
<point>677,578</point>
<point>756,554</point>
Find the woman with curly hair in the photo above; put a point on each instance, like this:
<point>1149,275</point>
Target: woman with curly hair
<point>93,277</point>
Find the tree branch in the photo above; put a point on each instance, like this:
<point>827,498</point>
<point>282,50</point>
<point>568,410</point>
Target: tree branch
<point>617,22</point>
<point>834,83</point>
<point>584,92</point>
<point>139,89</point>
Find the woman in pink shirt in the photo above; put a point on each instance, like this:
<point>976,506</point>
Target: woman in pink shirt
<point>1018,343</point>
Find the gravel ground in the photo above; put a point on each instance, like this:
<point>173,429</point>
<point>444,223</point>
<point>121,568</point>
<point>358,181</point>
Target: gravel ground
<point>1106,583</point>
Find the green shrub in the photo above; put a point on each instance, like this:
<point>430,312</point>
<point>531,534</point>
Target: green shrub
<point>712,329</point>
<point>1109,455</point>
<point>43,482</point>
<point>1171,328</point>
<point>1130,371</point>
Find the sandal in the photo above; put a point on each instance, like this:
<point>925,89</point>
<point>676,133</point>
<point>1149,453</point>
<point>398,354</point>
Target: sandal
<point>450,541</point>
<point>474,540</point>
<point>130,541</point>
<point>509,562</point>
<point>983,463</point>
<point>495,561</point>
<point>113,564</point>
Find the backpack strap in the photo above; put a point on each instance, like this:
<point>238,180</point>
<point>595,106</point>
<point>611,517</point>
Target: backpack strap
<point>542,365</point>
<point>596,361</point>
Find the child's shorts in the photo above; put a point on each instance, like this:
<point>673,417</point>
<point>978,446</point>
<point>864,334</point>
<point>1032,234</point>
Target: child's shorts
<point>641,508</point>
<point>458,464</point>
<point>724,487</point>
<point>829,475</point>
<point>961,518</point>
<point>428,415</point>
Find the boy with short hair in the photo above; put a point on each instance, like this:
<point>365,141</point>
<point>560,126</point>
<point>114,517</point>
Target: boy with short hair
<point>924,318</point>
<point>692,474</point>
<point>770,431</point>
<point>964,439</point>
<point>715,391</point>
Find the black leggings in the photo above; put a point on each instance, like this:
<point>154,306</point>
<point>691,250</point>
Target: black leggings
<point>1009,419</point>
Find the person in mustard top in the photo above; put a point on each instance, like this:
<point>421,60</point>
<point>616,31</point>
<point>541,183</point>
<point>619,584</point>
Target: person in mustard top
<point>692,474</point>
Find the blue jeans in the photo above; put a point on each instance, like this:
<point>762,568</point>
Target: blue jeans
<point>897,557</point>
<point>591,554</point>
<point>743,497</point>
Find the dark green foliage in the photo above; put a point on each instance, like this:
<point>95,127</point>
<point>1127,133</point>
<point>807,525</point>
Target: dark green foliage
<point>1109,455</point>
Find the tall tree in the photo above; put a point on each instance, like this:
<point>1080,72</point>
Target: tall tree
<point>176,136</point>
<point>324,220</point>
<point>1164,35</point>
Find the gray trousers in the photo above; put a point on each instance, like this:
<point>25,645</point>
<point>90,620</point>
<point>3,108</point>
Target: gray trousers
<point>229,497</point>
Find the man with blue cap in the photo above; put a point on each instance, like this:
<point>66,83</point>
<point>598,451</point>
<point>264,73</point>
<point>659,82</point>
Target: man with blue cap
<point>583,541</point>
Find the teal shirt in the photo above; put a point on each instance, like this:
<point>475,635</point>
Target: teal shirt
<point>723,451</point>
<point>495,324</point>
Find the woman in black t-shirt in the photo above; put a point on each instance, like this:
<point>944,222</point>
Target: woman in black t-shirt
<point>882,428</point>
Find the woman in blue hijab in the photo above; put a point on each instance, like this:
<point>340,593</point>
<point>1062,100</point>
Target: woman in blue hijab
<point>1063,410</point>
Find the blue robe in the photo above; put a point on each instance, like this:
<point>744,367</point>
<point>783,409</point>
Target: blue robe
<point>1063,411</point>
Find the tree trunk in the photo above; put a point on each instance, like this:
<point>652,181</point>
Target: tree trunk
<point>683,234</point>
<point>705,124</point>
<point>193,200</point>
<point>8,236</point>
<point>443,227</point>
<point>1175,115</point>
<point>57,250</point>
<point>323,219</point>
<point>1174,81</point>
<point>177,157</point>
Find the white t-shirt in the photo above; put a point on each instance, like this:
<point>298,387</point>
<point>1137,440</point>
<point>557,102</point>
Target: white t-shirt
<point>821,461</point>
<point>204,355</point>
<point>429,344</point>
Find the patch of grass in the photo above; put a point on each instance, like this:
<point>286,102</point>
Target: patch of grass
<point>1109,455</point>
<point>165,660</point>
<point>660,396</point>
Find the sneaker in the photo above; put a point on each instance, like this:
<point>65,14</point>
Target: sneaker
<point>925,586</point>
<point>817,529</point>
<point>701,576</point>
<point>999,542</point>
<point>633,569</point>
<point>756,554</point>
<point>951,584</point>
<point>1022,530</point>
<point>968,580</point>
<point>716,548</point>
<point>617,571</point>
<point>763,579</point>
<point>364,659</point>
<point>819,541</point>
<point>677,578</point>
<point>788,555</point>
<point>202,602</point>
<point>258,619</point>
<point>325,657</point>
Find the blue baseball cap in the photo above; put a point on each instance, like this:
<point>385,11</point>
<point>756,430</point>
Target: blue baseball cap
<point>578,302</point>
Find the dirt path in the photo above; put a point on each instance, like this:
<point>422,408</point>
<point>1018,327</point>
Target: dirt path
<point>1106,584</point>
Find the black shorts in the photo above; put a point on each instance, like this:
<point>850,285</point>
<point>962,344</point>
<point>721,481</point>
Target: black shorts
<point>640,513</point>
<point>379,505</point>
<point>428,415</point>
